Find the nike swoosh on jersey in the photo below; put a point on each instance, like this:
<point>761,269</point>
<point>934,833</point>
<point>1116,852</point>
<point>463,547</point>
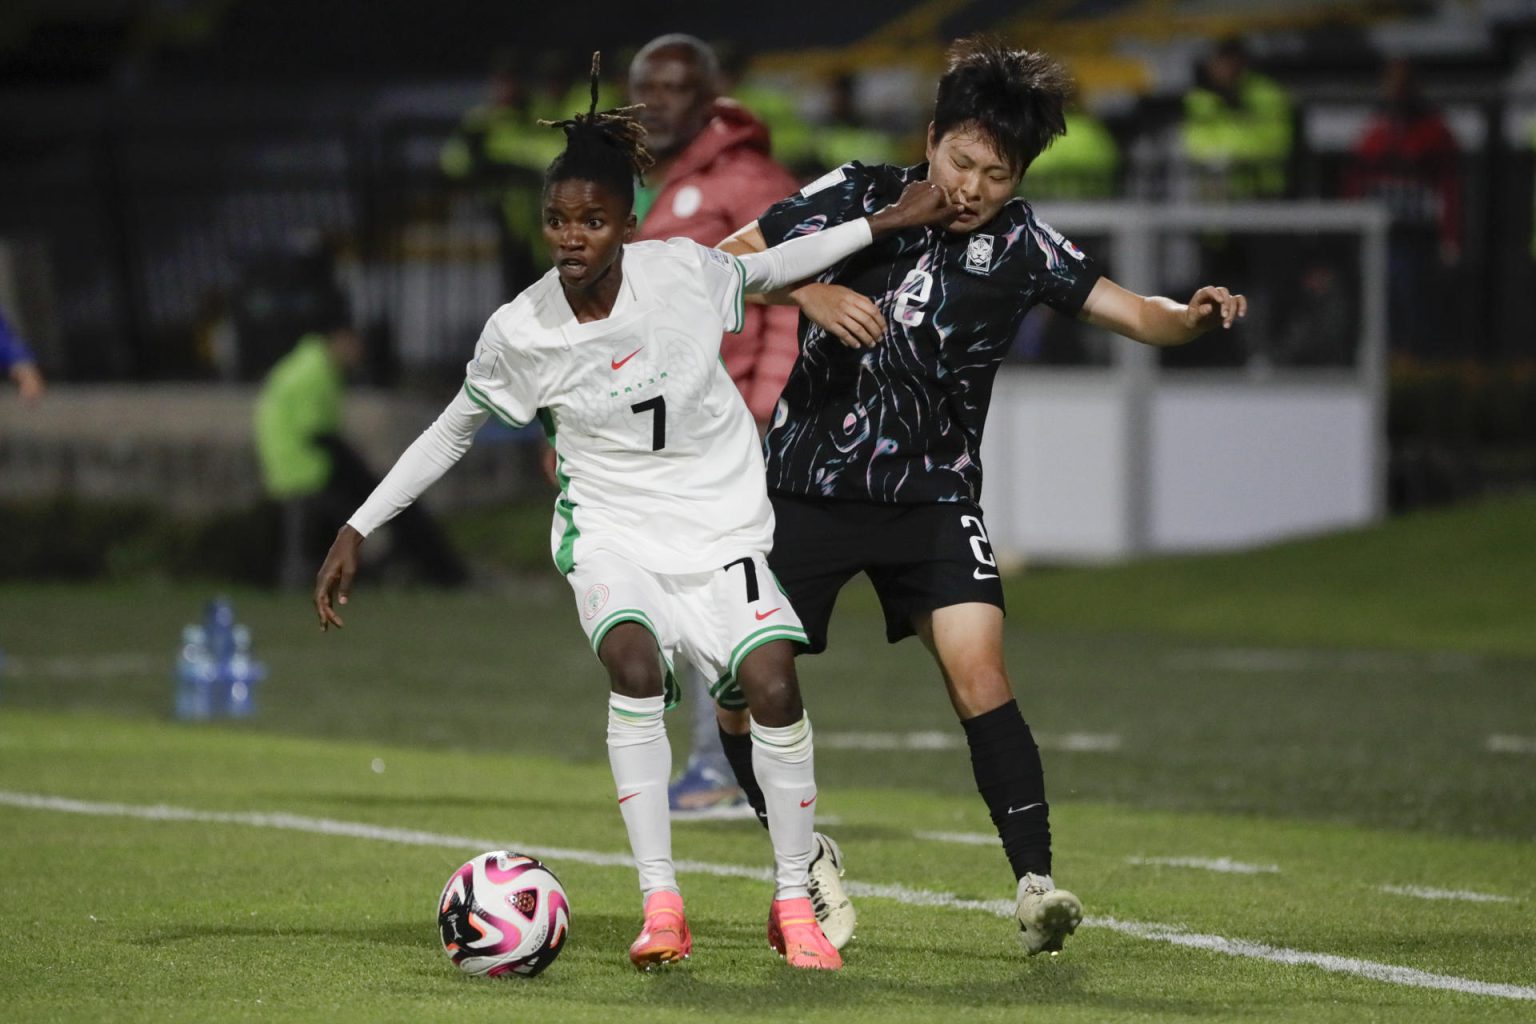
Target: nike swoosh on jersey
<point>978,574</point>
<point>1021,810</point>
<point>807,803</point>
<point>618,363</point>
<point>763,615</point>
<point>629,797</point>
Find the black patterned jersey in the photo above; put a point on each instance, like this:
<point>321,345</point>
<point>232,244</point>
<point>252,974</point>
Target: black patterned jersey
<point>902,422</point>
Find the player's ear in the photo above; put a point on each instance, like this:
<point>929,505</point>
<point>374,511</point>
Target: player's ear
<point>630,223</point>
<point>932,142</point>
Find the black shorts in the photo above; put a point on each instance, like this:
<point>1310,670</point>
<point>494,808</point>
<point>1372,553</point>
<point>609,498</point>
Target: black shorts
<point>919,557</point>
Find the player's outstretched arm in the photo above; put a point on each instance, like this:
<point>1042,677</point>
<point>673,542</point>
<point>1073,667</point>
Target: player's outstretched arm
<point>920,204</point>
<point>333,584</point>
<point>850,317</point>
<point>1154,320</point>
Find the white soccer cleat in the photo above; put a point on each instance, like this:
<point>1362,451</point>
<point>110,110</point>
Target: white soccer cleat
<point>834,911</point>
<point>1047,915</point>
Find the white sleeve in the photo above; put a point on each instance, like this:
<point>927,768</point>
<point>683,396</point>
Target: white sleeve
<point>803,257</point>
<point>429,457</point>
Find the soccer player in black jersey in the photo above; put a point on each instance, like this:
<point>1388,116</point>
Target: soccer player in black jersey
<point>874,450</point>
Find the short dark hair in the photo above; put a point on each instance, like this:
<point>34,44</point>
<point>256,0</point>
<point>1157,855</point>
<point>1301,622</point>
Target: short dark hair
<point>606,147</point>
<point>1015,98</point>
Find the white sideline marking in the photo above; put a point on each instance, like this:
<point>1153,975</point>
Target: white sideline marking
<point>1446,894</point>
<point>1285,659</point>
<point>967,838</point>
<point>1512,744</point>
<point>1223,864</point>
<point>917,897</point>
<point>1339,964</point>
<point>1077,742</point>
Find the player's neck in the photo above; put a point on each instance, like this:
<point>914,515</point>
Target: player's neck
<point>595,302</point>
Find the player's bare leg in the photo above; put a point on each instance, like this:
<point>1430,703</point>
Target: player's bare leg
<point>967,642</point>
<point>784,767</point>
<point>641,759</point>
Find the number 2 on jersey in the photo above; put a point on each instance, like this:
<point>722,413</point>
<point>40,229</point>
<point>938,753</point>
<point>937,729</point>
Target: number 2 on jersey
<point>657,405</point>
<point>914,291</point>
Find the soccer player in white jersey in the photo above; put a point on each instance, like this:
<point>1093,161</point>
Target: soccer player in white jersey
<point>663,523</point>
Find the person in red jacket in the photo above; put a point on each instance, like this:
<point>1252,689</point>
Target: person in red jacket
<point>713,173</point>
<point>1408,159</point>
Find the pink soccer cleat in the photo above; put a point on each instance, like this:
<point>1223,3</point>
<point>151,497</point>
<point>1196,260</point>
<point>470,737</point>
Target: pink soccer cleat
<point>795,935</point>
<point>664,937</point>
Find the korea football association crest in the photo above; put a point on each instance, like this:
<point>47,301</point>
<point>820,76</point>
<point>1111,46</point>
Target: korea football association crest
<point>978,255</point>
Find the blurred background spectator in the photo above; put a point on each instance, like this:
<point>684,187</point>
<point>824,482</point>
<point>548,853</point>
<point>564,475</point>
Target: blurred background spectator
<point>1237,127</point>
<point>309,470</point>
<point>1408,160</point>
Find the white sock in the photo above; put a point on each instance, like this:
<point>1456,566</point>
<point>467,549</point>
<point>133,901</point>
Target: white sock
<point>786,770</point>
<point>641,759</point>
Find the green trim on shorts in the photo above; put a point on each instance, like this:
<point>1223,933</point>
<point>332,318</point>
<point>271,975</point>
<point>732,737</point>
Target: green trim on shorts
<point>726,693</point>
<point>672,694</point>
<point>763,636</point>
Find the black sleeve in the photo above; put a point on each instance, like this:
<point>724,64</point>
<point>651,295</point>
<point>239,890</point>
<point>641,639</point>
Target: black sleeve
<point>1063,273</point>
<point>831,199</point>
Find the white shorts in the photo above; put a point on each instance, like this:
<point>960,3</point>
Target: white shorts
<point>707,620</point>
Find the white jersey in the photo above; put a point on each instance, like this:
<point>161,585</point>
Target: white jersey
<point>658,458</point>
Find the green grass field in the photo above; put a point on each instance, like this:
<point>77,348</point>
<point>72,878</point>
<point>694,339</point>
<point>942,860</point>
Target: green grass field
<point>1261,767</point>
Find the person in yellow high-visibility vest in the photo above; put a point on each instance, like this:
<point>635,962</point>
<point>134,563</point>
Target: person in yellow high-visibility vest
<point>1236,132</point>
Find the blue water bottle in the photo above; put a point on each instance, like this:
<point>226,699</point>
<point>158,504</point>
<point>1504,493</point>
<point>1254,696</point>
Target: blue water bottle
<point>241,674</point>
<point>219,624</point>
<point>196,676</point>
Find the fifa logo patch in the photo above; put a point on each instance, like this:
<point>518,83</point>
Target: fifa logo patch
<point>594,599</point>
<point>978,255</point>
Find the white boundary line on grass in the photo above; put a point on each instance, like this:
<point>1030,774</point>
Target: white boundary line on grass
<point>1225,865</point>
<point>1389,973</point>
<point>1071,742</point>
<point>1466,895</point>
<point>1511,744</point>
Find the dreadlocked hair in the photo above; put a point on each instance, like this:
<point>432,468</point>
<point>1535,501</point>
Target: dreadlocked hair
<point>606,147</point>
<point>1015,98</point>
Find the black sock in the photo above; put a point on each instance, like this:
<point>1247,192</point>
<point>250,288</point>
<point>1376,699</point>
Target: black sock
<point>1009,776</point>
<point>738,751</point>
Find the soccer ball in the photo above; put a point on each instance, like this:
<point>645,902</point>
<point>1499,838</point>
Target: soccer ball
<point>503,913</point>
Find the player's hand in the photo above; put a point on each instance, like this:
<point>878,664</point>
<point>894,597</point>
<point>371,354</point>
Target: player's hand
<point>1214,305</point>
<point>333,584</point>
<point>920,204</point>
<point>848,316</point>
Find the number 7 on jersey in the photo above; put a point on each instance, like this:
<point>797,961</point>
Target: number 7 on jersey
<point>658,406</point>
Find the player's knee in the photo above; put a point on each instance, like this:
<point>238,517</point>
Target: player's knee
<point>981,688</point>
<point>635,677</point>
<point>775,700</point>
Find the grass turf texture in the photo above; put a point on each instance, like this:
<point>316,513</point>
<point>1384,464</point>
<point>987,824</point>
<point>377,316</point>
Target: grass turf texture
<point>149,920</point>
<point>1349,750</point>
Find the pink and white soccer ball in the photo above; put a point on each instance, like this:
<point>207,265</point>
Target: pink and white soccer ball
<point>503,913</point>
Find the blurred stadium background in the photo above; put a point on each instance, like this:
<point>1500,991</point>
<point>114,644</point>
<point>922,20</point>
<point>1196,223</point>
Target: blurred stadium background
<point>177,175</point>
